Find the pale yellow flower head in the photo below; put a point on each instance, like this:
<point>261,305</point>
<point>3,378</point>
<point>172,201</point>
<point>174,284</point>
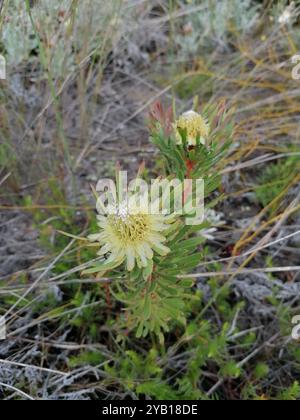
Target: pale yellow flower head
<point>131,236</point>
<point>195,125</point>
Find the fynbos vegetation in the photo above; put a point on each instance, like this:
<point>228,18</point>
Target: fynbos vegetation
<point>182,283</point>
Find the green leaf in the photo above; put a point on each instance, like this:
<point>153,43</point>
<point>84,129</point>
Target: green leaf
<point>147,307</point>
<point>102,267</point>
<point>189,244</point>
<point>140,329</point>
<point>147,272</point>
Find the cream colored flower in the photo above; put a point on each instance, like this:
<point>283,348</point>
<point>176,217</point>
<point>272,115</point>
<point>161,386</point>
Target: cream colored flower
<point>132,235</point>
<point>195,126</point>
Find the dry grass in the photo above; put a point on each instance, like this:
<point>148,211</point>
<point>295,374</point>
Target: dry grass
<point>60,131</point>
